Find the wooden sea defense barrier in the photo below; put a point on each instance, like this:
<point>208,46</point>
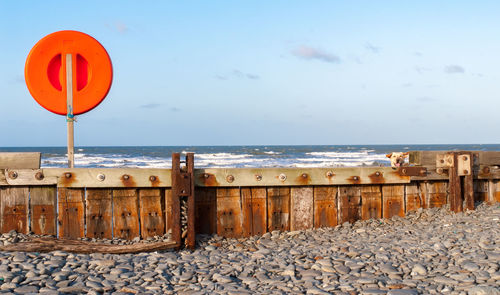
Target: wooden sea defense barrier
<point>131,203</point>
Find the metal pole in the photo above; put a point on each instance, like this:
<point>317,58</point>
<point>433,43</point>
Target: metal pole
<point>69,111</point>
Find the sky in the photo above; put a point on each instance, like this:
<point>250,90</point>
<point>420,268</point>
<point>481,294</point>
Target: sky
<point>266,72</point>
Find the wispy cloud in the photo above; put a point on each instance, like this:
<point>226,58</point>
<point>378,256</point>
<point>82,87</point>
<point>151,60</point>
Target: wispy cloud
<point>239,75</point>
<point>175,109</point>
<point>454,69</point>
<point>118,26</point>
<point>310,53</point>
<point>372,48</point>
<point>150,106</point>
<point>422,70</point>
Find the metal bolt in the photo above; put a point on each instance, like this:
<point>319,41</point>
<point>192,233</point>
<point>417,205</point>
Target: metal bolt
<point>39,176</point>
<point>304,175</point>
<point>282,177</point>
<point>258,177</point>
<point>68,175</point>
<point>423,172</point>
<point>439,170</point>
<point>101,177</point>
<point>442,161</point>
<point>403,171</point>
<point>486,169</point>
<point>329,174</point>
<point>466,171</point>
<point>355,178</point>
<point>465,158</point>
<point>13,174</point>
<point>152,178</point>
<point>229,178</point>
<point>125,177</point>
<point>205,175</point>
<point>377,173</point>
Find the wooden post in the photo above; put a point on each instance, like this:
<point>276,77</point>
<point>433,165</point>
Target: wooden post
<point>69,111</point>
<point>455,186</point>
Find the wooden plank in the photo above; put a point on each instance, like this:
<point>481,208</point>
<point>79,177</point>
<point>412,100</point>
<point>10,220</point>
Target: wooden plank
<point>371,202</point>
<point>349,204</point>
<point>259,211</point>
<point>414,199</point>
<point>393,200</point>
<point>495,192</point>
<point>238,177</point>
<point>325,206</point>
<point>71,218</point>
<point>278,208</point>
<point>98,214</point>
<point>229,213</point>
<point>481,190</point>
<point>168,210</point>
<point>14,207</point>
<point>25,177</point>
<point>25,160</point>
<point>301,208</point>
<point>150,206</point>
<point>468,192</point>
<point>206,210</point>
<point>434,193</point>
<point>125,214</point>
<point>455,187</point>
<point>246,211</point>
<point>43,207</point>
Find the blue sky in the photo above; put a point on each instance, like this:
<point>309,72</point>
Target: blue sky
<point>266,72</point>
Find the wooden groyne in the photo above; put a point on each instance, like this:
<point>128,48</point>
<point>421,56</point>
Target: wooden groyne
<point>131,202</point>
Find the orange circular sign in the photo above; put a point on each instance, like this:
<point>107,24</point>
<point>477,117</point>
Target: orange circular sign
<point>45,72</point>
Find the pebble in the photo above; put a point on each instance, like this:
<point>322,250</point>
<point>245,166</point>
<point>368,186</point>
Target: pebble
<point>417,254</point>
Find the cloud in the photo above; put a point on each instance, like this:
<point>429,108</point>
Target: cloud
<point>118,26</point>
<point>372,48</point>
<point>310,53</point>
<point>422,70</point>
<point>454,69</point>
<point>426,99</point>
<point>150,106</point>
<point>238,75</point>
<point>418,53</point>
<point>175,109</point>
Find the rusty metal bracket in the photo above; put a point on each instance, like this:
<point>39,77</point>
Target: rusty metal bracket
<point>183,187</point>
<point>412,171</point>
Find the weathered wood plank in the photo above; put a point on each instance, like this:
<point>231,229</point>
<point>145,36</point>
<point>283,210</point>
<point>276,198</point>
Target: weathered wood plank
<point>414,199</point>
<point>238,177</point>
<point>349,204</point>
<point>26,160</point>
<point>125,214</point>
<point>468,192</point>
<point>259,211</point>
<point>301,208</point>
<point>14,208</point>
<point>206,210</point>
<point>393,200</point>
<point>246,211</point>
<point>99,213</point>
<point>371,202</point>
<point>168,210</point>
<point>278,208</point>
<point>229,214</point>
<point>44,210</point>
<point>71,218</point>
<point>150,204</point>
<point>481,190</point>
<point>434,193</point>
<point>325,206</point>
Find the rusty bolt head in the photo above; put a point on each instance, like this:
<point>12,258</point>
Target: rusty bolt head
<point>152,178</point>
<point>282,177</point>
<point>486,169</point>
<point>229,178</point>
<point>440,170</point>
<point>329,174</point>
<point>101,177</point>
<point>465,158</point>
<point>68,174</point>
<point>403,171</point>
<point>377,173</point>
<point>423,172</point>
<point>355,177</point>
<point>39,176</point>
<point>304,175</point>
<point>125,177</point>
<point>258,177</point>
<point>205,175</point>
<point>13,174</point>
<point>442,161</point>
<point>466,171</point>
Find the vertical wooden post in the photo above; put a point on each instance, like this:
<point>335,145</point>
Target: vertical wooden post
<point>176,202</point>
<point>469,184</point>
<point>454,186</point>
<point>69,110</point>
<point>191,235</point>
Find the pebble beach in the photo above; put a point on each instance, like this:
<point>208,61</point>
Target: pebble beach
<point>430,251</point>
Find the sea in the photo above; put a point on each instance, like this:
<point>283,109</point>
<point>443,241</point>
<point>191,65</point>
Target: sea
<point>235,156</point>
